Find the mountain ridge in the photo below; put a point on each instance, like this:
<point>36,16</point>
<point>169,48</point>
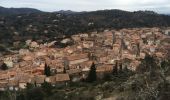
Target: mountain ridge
<point>12,11</point>
<point>24,10</point>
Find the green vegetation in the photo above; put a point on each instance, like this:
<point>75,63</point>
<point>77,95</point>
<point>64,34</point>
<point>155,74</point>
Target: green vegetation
<point>47,70</point>
<point>92,74</point>
<point>4,66</point>
<point>115,69</point>
<point>47,88</point>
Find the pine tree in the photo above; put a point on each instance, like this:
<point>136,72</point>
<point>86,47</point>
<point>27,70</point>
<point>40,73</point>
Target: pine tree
<point>120,68</point>
<point>115,69</point>
<point>92,74</point>
<point>138,50</point>
<point>150,63</point>
<point>114,37</point>
<point>47,71</point>
<point>4,66</point>
<point>64,71</point>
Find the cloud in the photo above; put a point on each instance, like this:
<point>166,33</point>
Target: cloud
<point>161,6</point>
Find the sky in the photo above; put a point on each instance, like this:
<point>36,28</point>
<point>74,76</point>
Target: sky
<point>159,6</point>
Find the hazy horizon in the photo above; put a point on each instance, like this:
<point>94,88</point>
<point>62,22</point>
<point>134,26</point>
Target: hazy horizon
<point>159,6</point>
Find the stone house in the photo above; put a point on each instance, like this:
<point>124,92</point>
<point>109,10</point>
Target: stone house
<point>58,79</point>
<point>9,62</point>
<point>75,74</point>
<point>3,85</point>
<point>28,58</point>
<point>24,52</point>
<point>167,32</point>
<point>88,44</point>
<point>76,38</point>
<point>4,76</point>
<point>102,70</point>
<point>38,80</point>
<point>34,44</point>
<point>41,53</point>
<point>62,78</point>
<point>134,65</point>
<point>39,70</point>
<point>76,59</point>
<point>126,62</point>
<point>13,85</point>
<point>23,80</point>
<point>86,64</point>
<point>51,80</point>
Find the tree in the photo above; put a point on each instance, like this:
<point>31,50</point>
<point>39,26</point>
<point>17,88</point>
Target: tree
<point>150,62</point>
<point>47,88</point>
<point>92,74</point>
<point>21,96</point>
<point>120,68</point>
<point>138,50</point>
<point>4,66</point>
<point>150,65</point>
<point>107,77</point>
<point>165,65</point>
<point>66,64</point>
<point>115,69</point>
<point>35,94</point>
<point>114,37</point>
<point>147,64</point>
<point>47,71</point>
<point>64,71</point>
<point>29,86</point>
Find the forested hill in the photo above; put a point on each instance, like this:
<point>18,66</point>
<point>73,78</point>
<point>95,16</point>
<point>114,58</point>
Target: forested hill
<point>123,19</point>
<point>19,24</point>
<point>13,11</point>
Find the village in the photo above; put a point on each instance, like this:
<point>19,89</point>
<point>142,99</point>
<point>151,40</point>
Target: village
<point>72,63</point>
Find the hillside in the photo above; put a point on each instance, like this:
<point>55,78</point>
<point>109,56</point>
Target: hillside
<point>98,55</point>
<point>12,11</point>
<point>20,24</point>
